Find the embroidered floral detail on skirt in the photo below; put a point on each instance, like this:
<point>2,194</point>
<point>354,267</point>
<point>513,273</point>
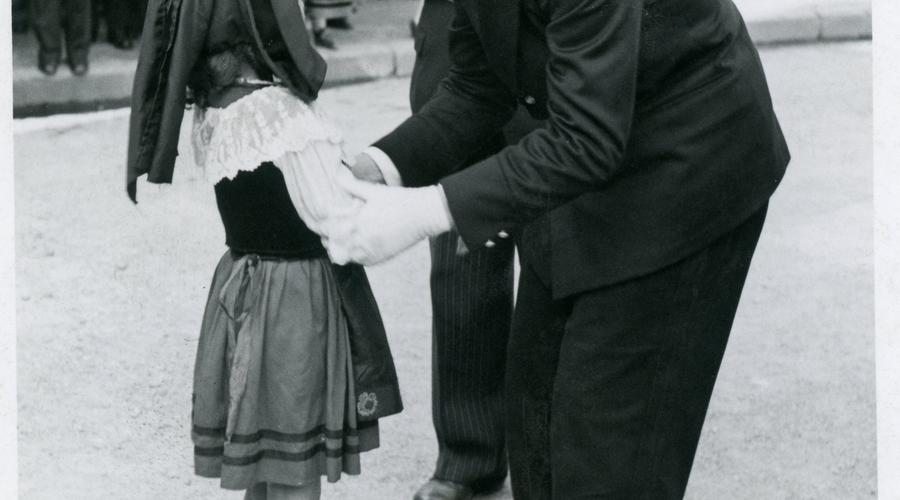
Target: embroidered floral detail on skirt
<point>367,404</point>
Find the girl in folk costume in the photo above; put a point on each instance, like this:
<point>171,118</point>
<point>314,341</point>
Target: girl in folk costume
<point>293,369</point>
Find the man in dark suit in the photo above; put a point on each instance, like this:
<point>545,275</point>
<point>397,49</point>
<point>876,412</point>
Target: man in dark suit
<point>471,300</point>
<point>660,153</point>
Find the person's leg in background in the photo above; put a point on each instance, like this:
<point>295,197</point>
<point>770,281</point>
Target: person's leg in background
<point>77,23</point>
<point>319,12</point>
<point>273,491</point>
<point>472,305</point>
<point>47,24</point>
<point>20,16</point>
<point>320,37</point>
<point>136,19</point>
<point>118,15</point>
<point>343,22</point>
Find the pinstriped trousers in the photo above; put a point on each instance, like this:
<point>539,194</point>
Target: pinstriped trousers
<point>472,307</point>
<point>472,303</point>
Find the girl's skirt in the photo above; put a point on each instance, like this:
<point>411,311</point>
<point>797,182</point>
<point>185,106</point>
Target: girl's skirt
<point>273,393</point>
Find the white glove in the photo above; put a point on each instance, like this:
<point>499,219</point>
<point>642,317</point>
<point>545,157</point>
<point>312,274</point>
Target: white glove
<point>390,220</point>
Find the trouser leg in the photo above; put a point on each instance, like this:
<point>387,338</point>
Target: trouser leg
<point>47,23</point>
<point>273,491</point>
<point>534,343</point>
<point>256,492</point>
<point>117,13</point>
<point>311,491</point>
<point>77,28</point>
<point>615,384</point>
<point>472,307</point>
<point>136,18</point>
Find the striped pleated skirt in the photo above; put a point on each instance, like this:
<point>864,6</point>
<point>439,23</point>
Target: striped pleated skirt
<point>273,397</point>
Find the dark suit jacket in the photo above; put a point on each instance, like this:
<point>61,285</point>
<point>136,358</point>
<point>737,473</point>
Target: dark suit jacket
<point>660,136</point>
<point>432,66</point>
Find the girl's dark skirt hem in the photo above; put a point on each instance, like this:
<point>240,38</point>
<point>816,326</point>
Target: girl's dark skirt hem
<point>271,459</point>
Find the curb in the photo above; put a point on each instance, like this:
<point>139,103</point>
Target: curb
<point>108,85</point>
<point>827,23</point>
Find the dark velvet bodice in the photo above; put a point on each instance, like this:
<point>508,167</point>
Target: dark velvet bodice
<point>260,218</point>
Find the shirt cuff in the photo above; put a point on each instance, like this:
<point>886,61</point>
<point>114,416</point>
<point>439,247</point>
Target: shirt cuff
<point>419,12</point>
<point>447,219</point>
<point>384,163</point>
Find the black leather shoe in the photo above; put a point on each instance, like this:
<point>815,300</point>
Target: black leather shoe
<point>438,489</point>
<point>323,40</point>
<point>48,64</point>
<point>339,23</point>
<point>488,488</point>
<point>79,68</point>
<point>78,62</point>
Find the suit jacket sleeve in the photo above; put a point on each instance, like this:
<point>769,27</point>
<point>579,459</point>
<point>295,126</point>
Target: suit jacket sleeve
<point>466,113</point>
<point>591,80</point>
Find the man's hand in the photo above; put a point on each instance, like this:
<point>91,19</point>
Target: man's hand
<point>390,220</point>
<point>364,168</point>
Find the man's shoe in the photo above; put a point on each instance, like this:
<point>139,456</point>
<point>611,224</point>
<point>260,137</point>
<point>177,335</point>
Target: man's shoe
<point>48,67</point>
<point>78,67</point>
<point>339,23</point>
<point>438,489</point>
<point>48,63</point>
<point>323,40</point>
<point>488,488</point>
<point>120,40</point>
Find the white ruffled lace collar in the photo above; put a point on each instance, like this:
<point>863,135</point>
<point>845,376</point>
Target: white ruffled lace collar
<point>259,127</point>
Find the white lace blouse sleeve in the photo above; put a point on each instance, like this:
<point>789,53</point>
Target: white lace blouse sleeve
<point>310,179</point>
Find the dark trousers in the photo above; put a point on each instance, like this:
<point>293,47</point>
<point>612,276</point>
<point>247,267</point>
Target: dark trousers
<point>20,16</point>
<point>52,19</point>
<point>471,300</point>
<point>607,390</point>
<point>124,18</point>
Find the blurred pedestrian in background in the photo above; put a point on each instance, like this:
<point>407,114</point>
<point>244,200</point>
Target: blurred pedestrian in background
<point>54,19</point>
<point>323,14</point>
<point>124,19</point>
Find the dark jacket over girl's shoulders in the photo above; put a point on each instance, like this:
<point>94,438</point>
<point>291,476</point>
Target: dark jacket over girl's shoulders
<point>177,33</point>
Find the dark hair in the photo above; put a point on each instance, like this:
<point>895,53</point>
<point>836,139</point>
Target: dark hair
<point>220,69</point>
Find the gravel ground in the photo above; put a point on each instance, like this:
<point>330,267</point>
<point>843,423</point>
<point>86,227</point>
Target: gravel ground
<point>109,300</point>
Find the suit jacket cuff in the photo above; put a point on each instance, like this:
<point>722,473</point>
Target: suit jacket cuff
<point>474,214</point>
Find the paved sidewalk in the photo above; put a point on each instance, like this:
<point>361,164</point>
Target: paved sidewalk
<point>379,46</point>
